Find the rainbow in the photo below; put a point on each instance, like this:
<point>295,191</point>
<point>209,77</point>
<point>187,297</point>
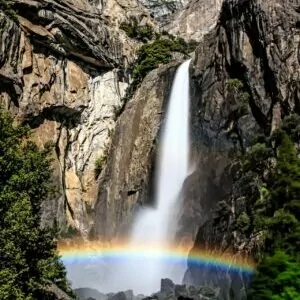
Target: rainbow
<point>84,252</point>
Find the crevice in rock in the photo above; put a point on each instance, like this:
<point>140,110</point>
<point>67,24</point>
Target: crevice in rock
<point>66,116</point>
<point>12,87</point>
<point>62,163</point>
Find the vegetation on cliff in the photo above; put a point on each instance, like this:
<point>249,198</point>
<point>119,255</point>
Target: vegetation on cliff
<point>29,260</point>
<point>99,163</point>
<point>277,217</point>
<point>158,52</point>
<point>6,7</point>
<point>141,33</point>
<point>266,218</point>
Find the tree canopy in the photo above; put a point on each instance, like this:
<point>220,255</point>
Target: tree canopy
<point>28,256</point>
<point>278,216</point>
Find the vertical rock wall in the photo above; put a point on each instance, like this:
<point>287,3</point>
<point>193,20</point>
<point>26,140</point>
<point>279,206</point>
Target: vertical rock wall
<point>126,182</point>
<point>63,72</point>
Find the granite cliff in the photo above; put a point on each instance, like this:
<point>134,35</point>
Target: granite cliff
<point>257,44</point>
<point>65,67</point>
<point>63,72</point>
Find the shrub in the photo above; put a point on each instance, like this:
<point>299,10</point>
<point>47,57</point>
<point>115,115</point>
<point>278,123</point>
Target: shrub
<point>6,7</point>
<point>243,222</point>
<point>142,33</point>
<point>151,55</point>
<point>99,163</point>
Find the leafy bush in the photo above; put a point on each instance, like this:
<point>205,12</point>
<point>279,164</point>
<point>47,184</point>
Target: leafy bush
<point>142,33</point>
<point>243,222</point>
<point>6,7</point>
<point>277,278</point>
<point>266,208</point>
<point>151,55</point>
<point>99,163</point>
<point>237,96</point>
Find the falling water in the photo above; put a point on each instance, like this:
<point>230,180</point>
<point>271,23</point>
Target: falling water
<point>152,225</point>
<point>155,227</point>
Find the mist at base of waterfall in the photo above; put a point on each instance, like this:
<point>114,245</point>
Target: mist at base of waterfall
<point>141,279</point>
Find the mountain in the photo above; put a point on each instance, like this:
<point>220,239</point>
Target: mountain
<point>73,71</point>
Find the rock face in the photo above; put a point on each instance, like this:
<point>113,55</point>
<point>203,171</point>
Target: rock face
<point>250,43</point>
<point>119,11</point>
<point>126,180</point>
<point>196,19</point>
<point>168,290</point>
<point>63,72</point>
<point>161,9</point>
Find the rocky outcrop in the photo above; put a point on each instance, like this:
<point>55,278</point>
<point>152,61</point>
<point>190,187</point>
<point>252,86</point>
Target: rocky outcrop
<point>168,290</point>
<point>256,42</point>
<point>196,19</point>
<point>122,11</point>
<point>53,292</point>
<point>63,72</point>
<point>161,9</point>
<point>126,180</point>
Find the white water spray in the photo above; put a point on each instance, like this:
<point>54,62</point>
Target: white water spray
<point>152,225</point>
<point>155,227</point>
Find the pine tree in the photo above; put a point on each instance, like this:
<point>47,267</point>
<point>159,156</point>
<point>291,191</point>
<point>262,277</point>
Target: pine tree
<point>278,273</point>
<point>283,212</point>
<point>28,257</point>
<point>277,278</point>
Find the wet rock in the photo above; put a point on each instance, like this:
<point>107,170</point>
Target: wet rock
<point>172,291</point>
<point>127,180</point>
<point>167,287</point>
<point>88,293</point>
<point>248,43</point>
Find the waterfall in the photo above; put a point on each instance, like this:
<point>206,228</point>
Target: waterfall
<point>155,227</point>
<point>172,166</point>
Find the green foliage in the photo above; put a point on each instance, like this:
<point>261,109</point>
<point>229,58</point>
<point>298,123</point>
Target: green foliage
<point>99,163</point>
<point>256,158</point>
<point>28,252</point>
<point>277,278</point>
<point>276,213</point>
<point>283,210</point>
<point>6,7</point>
<point>237,96</point>
<point>243,222</point>
<point>151,55</point>
<point>142,33</point>
<point>291,126</point>
<point>265,205</point>
<point>156,53</point>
